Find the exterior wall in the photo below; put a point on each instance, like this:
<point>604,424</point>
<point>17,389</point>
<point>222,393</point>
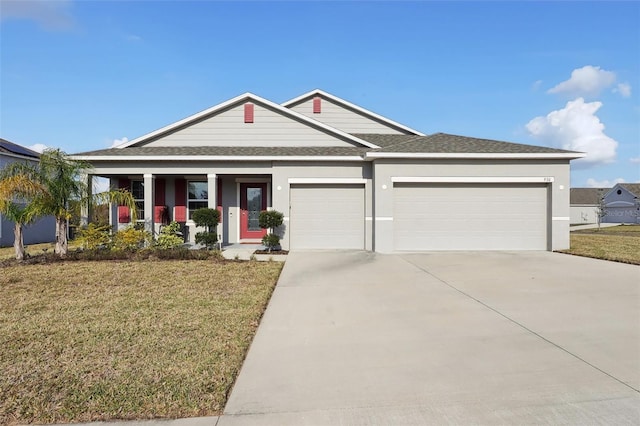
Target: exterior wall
<point>41,231</point>
<point>621,208</point>
<point>583,214</point>
<point>283,171</point>
<point>228,128</point>
<point>558,193</point>
<point>347,120</point>
<point>230,173</point>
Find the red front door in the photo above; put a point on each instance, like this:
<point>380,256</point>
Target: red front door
<point>253,200</point>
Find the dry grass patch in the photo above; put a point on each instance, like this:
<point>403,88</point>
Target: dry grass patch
<point>617,243</point>
<point>85,341</point>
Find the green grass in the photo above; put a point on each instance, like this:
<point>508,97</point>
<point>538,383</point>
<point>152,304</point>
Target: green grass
<point>617,243</point>
<point>86,341</point>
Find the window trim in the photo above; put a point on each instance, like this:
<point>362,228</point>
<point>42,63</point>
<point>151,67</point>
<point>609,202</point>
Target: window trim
<point>189,200</point>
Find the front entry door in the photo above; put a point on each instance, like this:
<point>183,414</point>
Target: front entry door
<point>253,200</point>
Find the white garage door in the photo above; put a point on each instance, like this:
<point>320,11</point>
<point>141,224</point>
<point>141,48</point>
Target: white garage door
<point>327,217</point>
<point>470,217</point>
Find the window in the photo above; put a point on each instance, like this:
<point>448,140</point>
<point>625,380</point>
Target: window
<point>197,196</point>
<point>137,190</point>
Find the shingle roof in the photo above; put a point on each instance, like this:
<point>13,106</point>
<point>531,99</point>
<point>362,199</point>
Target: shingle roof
<point>589,196</point>
<point>446,143</point>
<point>231,151</point>
<point>403,144</point>
<point>12,148</point>
<point>634,188</point>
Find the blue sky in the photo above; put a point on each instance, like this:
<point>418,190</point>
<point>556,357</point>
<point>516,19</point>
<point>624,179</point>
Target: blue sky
<point>80,75</point>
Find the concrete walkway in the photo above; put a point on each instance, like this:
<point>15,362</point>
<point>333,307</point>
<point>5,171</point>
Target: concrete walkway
<point>444,338</point>
<point>593,226</point>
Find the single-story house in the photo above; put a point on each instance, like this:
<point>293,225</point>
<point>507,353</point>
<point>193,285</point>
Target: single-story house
<point>40,231</point>
<point>622,204</point>
<point>585,205</point>
<point>344,177</point>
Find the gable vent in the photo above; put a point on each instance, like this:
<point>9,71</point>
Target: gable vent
<point>317,105</point>
<point>248,113</point>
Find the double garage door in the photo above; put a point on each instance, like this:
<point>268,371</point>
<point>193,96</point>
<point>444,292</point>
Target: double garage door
<point>324,216</point>
<point>431,216</point>
<point>470,216</point>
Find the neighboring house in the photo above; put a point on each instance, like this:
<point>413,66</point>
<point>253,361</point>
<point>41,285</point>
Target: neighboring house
<point>41,231</point>
<point>622,204</point>
<point>585,205</point>
<point>344,177</point>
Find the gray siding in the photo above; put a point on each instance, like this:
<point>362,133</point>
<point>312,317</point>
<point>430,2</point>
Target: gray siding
<point>621,208</point>
<point>227,128</point>
<point>41,231</point>
<point>347,120</point>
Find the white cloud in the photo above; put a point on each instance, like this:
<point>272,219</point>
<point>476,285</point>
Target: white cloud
<point>577,128</point>
<point>624,89</point>
<point>117,142</point>
<point>38,147</point>
<point>51,15</point>
<point>592,183</point>
<point>588,80</point>
<point>635,160</point>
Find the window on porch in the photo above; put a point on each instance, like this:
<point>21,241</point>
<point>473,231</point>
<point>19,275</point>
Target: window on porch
<point>137,190</point>
<point>198,196</point>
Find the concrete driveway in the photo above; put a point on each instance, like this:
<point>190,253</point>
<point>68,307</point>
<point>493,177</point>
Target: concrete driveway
<point>445,338</point>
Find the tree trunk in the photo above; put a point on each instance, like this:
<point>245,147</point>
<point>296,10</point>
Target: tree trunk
<point>18,243</point>
<point>62,246</point>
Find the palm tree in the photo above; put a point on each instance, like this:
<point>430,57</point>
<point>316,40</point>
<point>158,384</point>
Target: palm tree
<point>18,203</point>
<point>62,179</point>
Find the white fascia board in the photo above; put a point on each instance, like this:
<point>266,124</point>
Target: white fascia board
<point>472,179</point>
<point>212,158</point>
<point>495,156</point>
<point>352,181</point>
<point>254,98</point>
<point>364,111</point>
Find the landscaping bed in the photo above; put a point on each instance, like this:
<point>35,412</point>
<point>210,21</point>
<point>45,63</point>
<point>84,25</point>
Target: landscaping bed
<point>84,341</point>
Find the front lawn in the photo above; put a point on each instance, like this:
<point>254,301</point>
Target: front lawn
<point>83,341</point>
<point>618,243</point>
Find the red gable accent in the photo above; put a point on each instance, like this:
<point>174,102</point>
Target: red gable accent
<point>248,113</point>
<point>123,214</point>
<point>317,105</point>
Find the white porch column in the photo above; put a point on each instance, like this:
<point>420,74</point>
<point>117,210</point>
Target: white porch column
<point>113,207</point>
<point>149,196</point>
<point>212,191</point>
<point>85,208</point>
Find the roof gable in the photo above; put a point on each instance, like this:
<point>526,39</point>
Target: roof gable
<point>630,190</point>
<point>345,115</point>
<point>223,125</point>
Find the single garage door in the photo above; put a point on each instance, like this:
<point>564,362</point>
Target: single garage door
<point>326,216</point>
<point>470,216</point>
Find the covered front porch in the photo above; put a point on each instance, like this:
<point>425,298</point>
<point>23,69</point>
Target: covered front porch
<point>162,198</point>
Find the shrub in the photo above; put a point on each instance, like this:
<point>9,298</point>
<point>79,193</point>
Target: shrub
<point>270,219</point>
<point>94,236</point>
<point>170,236</point>
<point>131,239</point>
<point>208,218</point>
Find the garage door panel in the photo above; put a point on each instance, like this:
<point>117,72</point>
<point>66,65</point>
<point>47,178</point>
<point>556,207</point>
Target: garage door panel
<point>327,217</point>
<point>470,217</point>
